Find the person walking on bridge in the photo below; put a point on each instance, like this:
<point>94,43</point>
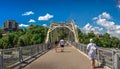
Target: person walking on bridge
<point>56,44</point>
<point>62,43</point>
<point>92,51</point>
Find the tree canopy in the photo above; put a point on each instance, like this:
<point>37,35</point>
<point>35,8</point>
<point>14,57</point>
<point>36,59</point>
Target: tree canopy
<point>36,34</point>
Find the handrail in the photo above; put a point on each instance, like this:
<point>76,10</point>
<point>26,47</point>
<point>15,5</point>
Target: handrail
<point>10,58</point>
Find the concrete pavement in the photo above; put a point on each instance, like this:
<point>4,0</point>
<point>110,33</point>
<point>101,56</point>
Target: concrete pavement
<point>69,59</point>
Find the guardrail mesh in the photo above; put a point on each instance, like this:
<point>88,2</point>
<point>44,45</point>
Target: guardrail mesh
<point>15,56</point>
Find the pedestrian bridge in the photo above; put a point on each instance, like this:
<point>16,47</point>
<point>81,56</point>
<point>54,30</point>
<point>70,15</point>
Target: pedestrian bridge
<point>43,56</point>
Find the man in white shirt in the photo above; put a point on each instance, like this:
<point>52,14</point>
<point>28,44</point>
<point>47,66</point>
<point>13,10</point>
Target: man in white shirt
<point>92,51</point>
<point>62,43</point>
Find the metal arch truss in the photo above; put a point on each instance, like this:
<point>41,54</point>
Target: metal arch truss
<point>69,25</point>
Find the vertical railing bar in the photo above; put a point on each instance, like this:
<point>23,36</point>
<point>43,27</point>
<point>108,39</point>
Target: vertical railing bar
<point>2,59</point>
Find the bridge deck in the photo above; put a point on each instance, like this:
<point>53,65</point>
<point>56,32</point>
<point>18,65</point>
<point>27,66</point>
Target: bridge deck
<point>69,59</point>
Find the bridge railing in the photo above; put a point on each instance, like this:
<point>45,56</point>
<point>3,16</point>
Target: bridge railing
<point>107,57</point>
<point>9,58</point>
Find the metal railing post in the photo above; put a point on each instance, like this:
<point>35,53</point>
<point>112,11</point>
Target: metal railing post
<point>80,47</point>
<point>20,55</point>
<point>2,60</point>
<point>83,48</point>
<point>115,60</point>
<point>42,47</point>
<point>98,55</point>
<point>45,47</point>
<point>31,51</point>
<point>48,46</point>
<point>38,49</point>
<point>76,45</point>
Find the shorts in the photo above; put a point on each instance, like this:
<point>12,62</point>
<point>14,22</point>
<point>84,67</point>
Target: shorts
<point>62,45</point>
<point>91,56</point>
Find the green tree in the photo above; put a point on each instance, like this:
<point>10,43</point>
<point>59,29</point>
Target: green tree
<point>1,32</point>
<point>114,42</point>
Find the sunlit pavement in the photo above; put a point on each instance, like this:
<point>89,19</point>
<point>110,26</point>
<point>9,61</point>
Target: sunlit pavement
<point>69,59</point>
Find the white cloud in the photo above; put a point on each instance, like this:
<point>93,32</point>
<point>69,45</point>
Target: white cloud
<point>118,27</point>
<point>118,6</point>
<point>105,23</point>
<point>31,21</point>
<point>104,20</point>
<point>76,26</point>
<point>95,18</point>
<point>27,13</point>
<point>104,15</point>
<point>115,31</point>
<point>87,28</point>
<point>45,25</point>
<point>23,25</point>
<point>99,29</point>
<point>46,17</point>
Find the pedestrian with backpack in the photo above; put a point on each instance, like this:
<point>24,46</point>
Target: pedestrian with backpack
<point>92,51</point>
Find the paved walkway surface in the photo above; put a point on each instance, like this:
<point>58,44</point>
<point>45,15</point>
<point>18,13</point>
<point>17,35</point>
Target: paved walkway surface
<point>69,59</point>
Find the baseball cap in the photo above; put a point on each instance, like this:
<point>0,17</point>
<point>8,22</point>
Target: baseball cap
<point>91,40</point>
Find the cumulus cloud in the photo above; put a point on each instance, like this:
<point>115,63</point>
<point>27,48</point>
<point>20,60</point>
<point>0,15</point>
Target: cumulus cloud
<point>23,25</point>
<point>105,23</point>
<point>105,15</point>
<point>117,27</point>
<point>76,26</point>
<point>118,5</point>
<point>114,31</point>
<point>104,20</point>
<point>95,18</point>
<point>88,28</point>
<point>31,21</point>
<point>46,17</point>
<point>28,13</point>
<point>45,25</point>
<point>99,29</point>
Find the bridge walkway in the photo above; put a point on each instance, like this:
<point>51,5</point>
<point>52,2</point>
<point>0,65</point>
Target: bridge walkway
<point>69,59</point>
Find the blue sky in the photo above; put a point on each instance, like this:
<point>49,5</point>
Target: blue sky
<point>99,16</point>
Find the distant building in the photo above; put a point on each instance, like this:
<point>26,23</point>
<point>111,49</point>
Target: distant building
<point>10,25</point>
<point>99,35</point>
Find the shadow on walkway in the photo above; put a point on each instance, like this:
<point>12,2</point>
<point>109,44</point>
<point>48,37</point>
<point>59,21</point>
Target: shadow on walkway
<point>28,61</point>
